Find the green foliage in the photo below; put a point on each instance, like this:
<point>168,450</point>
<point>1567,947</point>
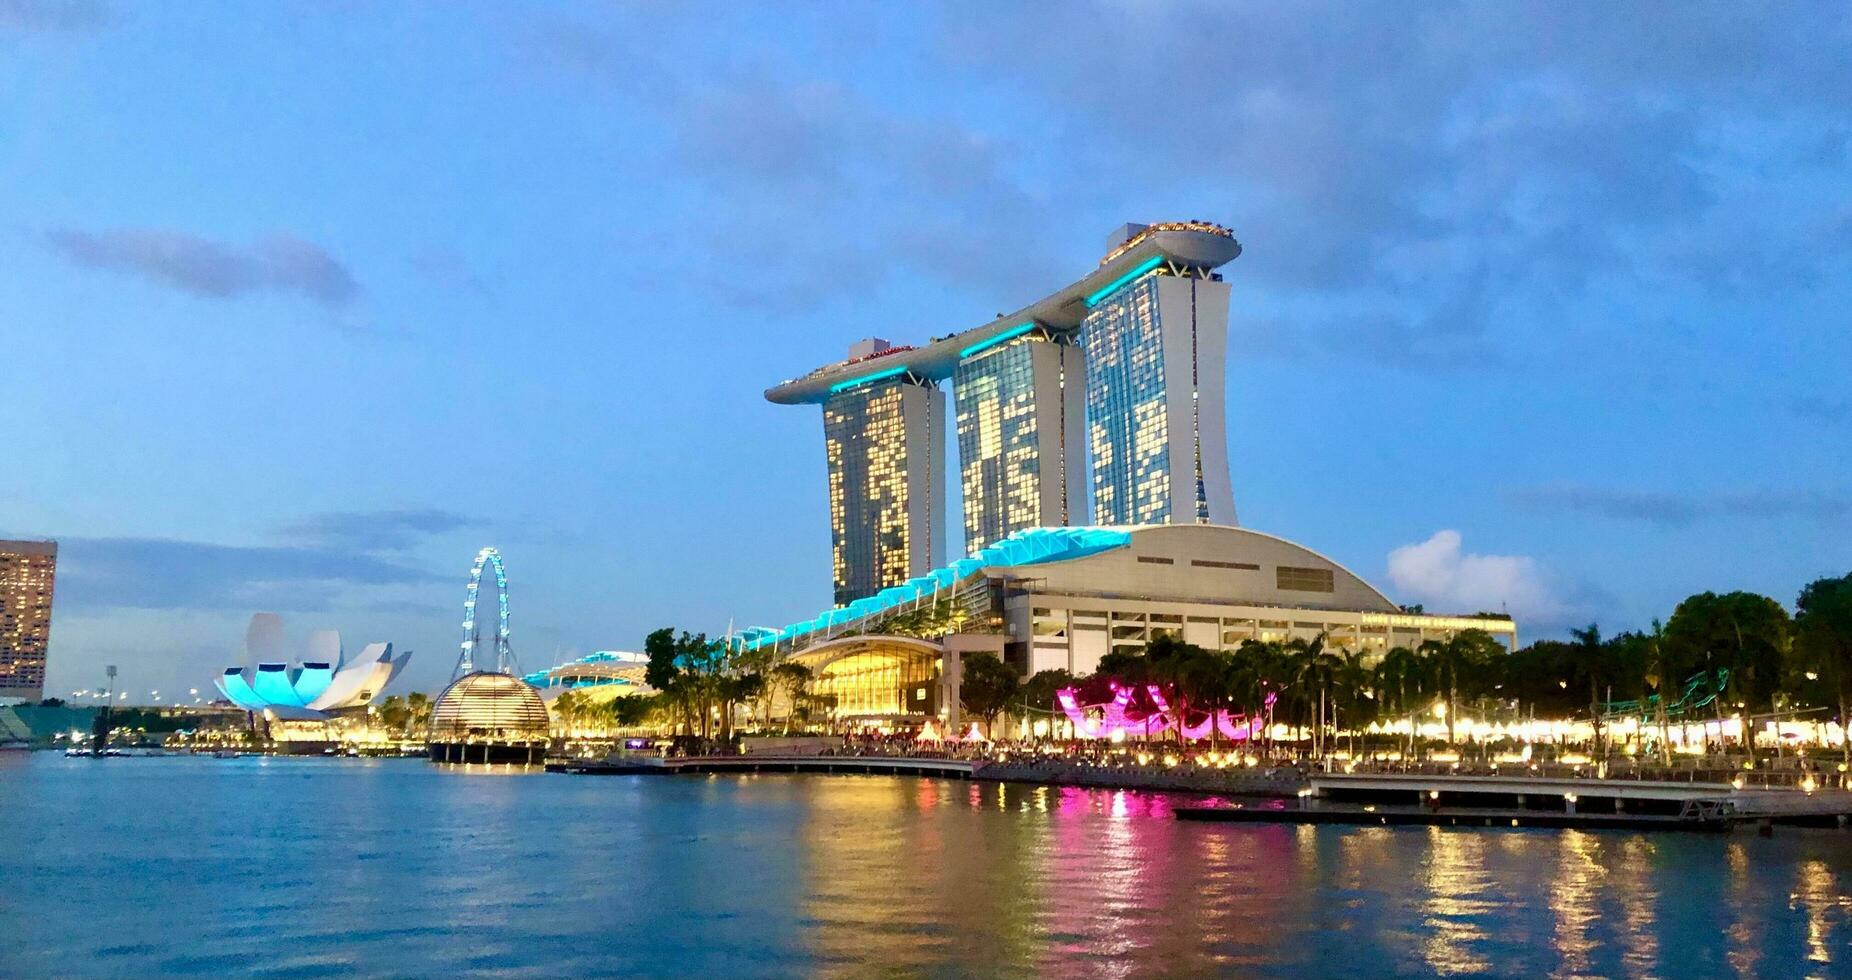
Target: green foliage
<point>928,622</point>
<point>1823,643</point>
<point>1743,633</point>
<point>1038,692</point>
<point>393,714</point>
<point>987,686</point>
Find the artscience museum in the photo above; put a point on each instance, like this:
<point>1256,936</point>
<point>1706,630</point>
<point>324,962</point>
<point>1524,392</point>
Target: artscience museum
<point>324,681</point>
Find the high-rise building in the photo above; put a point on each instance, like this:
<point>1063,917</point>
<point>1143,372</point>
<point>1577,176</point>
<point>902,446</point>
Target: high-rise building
<point>26,572</point>
<point>884,437</point>
<point>1119,375</point>
<point>1020,449</point>
<point>1156,419</point>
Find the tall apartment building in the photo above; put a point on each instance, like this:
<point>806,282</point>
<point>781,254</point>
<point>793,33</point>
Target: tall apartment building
<point>27,569</point>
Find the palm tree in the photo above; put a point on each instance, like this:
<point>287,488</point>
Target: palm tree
<point>1459,666</point>
<point>1353,689</point>
<point>1257,673</point>
<point>1590,658</point>
<point>1403,674</point>
<point>1314,668</point>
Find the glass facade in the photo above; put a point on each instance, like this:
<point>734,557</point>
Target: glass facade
<point>1011,441</point>
<point>26,572</point>
<point>878,439</point>
<point>1128,420</point>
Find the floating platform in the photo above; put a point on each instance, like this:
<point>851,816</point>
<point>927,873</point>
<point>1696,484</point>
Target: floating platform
<point>855,764</point>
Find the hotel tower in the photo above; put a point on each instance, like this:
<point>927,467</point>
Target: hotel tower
<point>1101,403</point>
<point>26,572</point>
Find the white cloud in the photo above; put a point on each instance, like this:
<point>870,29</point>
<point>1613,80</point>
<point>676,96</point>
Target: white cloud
<point>1440,576</point>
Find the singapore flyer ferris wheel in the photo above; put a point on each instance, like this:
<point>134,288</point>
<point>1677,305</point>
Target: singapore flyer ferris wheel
<point>504,652</point>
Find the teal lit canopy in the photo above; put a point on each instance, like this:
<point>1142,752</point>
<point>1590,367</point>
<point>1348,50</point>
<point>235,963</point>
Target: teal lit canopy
<point>1028,547</point>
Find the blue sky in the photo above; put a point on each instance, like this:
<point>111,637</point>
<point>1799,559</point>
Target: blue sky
<point>302,303</point>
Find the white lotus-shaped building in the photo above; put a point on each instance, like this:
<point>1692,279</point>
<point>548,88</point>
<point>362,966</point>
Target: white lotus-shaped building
<point>324,681</point>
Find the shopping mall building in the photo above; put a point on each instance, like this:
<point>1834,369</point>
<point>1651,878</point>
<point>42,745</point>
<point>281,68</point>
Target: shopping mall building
<point>1062,598</point>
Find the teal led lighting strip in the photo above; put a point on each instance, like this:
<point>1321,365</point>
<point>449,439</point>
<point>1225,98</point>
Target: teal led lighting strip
<point>1007,335</point>
<point>846,385</point>
<point>1112,287</point>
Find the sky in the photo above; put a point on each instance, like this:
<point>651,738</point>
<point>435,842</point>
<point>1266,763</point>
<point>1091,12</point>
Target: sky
<point>1542,307</point>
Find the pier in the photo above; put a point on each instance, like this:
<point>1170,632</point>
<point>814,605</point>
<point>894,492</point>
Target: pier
<point>1535,801</point>
<point>854,764</point>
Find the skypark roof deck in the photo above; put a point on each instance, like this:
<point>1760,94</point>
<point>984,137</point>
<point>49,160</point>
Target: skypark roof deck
<point>1182,246</point>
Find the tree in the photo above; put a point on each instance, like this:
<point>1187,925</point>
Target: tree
<point>633,710</point>
<point>793,680</point>
<point>1458,665</point>
<point>1590,658</point>
<point>1188,675</point>
<point>568,708</point>
<point>1645,660</point>
<point>1257,675</point>
<point>393,715</point>
<point>987,686</point>
<point>1823,642</point>
<point>737,688</point>
<point>1402,676</point>
<point>687,669</point>
<point>1743,633</point>
<point>418,706</point>
<point>1314,668</point>
<point>1545,678</point>
<point>1354,696</point>
<point>1037,694</point>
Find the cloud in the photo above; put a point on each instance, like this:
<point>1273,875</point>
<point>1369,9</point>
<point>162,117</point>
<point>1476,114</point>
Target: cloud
<point>202,267</point>
<point>51,16</point>
<point>826,190</point>
<point>1680,509</point>
<point>376,531</point>
<point>156,573</point>
<point>1475,168</point>
<point>1438,574</point>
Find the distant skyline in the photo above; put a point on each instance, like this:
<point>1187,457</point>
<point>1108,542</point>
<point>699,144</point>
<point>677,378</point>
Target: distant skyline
<point>1540,308</point>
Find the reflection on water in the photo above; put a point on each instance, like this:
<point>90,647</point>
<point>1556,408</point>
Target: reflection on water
<point>1456,906</point>
<point>1573,891</point>
<point>310,868</point>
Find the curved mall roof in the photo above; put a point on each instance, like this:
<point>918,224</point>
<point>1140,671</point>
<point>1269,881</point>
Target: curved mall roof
<point>488,704</point>
<point>1114,559</point>
<point>1182,244</point>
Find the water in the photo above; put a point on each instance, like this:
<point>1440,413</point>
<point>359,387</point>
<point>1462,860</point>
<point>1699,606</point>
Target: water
<point>324,868</point>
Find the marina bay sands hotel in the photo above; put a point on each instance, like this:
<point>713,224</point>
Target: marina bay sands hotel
<point>1101,403</point>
